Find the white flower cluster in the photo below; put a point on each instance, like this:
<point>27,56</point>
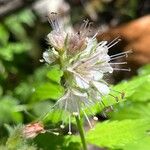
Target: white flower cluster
<point>84,62</point>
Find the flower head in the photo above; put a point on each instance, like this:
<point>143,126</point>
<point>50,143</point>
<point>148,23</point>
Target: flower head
<point>84,62</point>
<point>61,40</point>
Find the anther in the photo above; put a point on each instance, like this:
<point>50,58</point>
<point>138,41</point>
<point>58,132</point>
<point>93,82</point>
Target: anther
<point>116,98</point>
<point>56,133</point>
<point>41,60</point>
<point>122,95</point>
<point>75,114</point>
<point>95,118</point>
<point>62,126</point>
<point>69,132</point>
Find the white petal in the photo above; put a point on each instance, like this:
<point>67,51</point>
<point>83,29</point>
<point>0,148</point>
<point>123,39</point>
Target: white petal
<point>81,83</point>
<point>105,67</point>
<point>95,75</point>
<point>94,95</point>
<point>90,44</point>
<point>57,39</point>
<point>72,101</point>
<point>78,93</point>
<point>103,49</point>
<point>101,87</point>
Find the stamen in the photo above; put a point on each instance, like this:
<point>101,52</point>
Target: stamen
<point>117,41</point>
<point>121,93</point>
<point>122,53</point>
<point>87,119</point>
<point>29,114</point>
<point>121,69</point>
<point>62,125</point>
<point>109,109</point>
<point>104,114</point>
<point>103,103</point>
<point>89,109</point>
<point>53,20</point>
<point>46,114</point>
<point>84,25</point>
<point>94,37</point>
<point>116,98</point>
<point>100,102</point>
<point>121,56</point>
<point>49,110</point>
<point>119,63</point>
<point>80,76</point>
<point>55,133</point>
<point>69,132</point>
<point>78,110</point>
<point>89,26</point>
<point>102,44</point>
<point>114,40</point>
<point>87,60</point>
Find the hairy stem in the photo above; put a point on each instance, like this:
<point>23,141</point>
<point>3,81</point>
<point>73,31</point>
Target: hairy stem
<point>81,132</point>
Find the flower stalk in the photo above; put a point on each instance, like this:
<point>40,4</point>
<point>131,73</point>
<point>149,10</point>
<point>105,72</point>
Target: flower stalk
<point>81,132</point>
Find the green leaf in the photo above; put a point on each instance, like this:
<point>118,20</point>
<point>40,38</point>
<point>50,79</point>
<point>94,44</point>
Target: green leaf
<point>130,110</point>
<point>1,91</point>
<point>145,70</point>
<point>143,144</point>
<point>15,23</point>
<point>43,108</point>
<point>16,140</point>
<point>117,134</point>
<point>25,89</point>
<point>55,74</point>
<point>7,52</point>
<point>9,110</point>
<point>49,141</point>
<point>48,91</point>
<point>4,35</point>
<point>142,92</point>
<point>137,89</point>
<point>27,17</point>
<point>15,26</point>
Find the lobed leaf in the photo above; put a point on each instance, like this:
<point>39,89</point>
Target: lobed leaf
<point>48,90</point>
<point>117,134</point>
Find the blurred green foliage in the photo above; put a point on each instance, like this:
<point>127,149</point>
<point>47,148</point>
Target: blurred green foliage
<point>28,91</point>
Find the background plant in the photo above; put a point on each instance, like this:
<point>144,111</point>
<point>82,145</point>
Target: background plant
<point>30,87</point>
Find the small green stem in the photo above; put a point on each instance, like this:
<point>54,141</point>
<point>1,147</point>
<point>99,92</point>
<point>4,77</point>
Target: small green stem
<point>81,132</point>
